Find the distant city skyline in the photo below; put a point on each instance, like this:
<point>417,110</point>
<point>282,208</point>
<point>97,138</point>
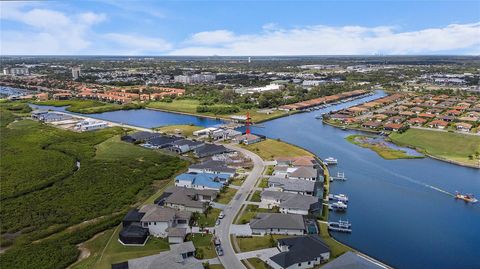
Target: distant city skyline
<point>236,28</point>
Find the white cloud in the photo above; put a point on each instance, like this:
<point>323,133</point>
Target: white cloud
<point>138,44</point>
<point>46,31</point>
<point>49,32</point>
<point>212,37</point>
<point>327,40</point>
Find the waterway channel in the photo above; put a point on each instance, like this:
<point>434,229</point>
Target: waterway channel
<point>402,211</point>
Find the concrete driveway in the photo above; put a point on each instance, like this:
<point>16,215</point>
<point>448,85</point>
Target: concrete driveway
<point>241,229</point>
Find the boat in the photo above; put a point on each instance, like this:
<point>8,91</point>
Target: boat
<point>468,198</point>
<point>338,206</point>
<point>338,197</point>
<point>331,160</point>
<point>319,117</point>
<point>340,226</point>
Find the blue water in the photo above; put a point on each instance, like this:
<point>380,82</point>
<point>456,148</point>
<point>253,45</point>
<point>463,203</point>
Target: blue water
<point>144,117</point>
<point>402,211</point>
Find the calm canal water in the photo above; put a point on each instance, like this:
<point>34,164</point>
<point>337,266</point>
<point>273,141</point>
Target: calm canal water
<point>143,117</point>
<point>401,210</point>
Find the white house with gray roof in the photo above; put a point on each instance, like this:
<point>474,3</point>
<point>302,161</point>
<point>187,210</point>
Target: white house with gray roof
<point>158,219</point>
<point>278,223</point>
<point>290,203</point>
<point>187,199</point>
<point>301,252</point>
<point>299,186</point>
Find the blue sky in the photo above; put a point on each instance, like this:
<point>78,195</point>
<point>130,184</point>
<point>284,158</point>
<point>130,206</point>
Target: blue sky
<point>240,27</point>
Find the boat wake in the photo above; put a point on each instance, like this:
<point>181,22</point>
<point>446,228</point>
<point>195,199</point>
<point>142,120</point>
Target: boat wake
<point>413,180</point>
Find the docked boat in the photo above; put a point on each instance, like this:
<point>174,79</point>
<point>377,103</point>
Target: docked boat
<point>338,197</point>
<point>340,226</point>
<point>338,206</point>
<point>469,198</point>
<point>319,117</point>
<point>331,160</point>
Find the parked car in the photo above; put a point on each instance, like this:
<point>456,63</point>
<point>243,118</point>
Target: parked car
<point>222,215</point>
<point>217,222</point>
<point>219,250</point>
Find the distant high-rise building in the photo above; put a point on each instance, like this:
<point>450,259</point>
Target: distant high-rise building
<point>249,59</point>
<point>16,71</point>
<point>75,73</point>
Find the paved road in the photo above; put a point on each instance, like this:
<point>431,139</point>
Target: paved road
<point>229,259</point>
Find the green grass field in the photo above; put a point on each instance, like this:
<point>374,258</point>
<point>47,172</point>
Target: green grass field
<point>190,106</point>
<point>270,149</point>
<point>263,183</point>
<point>258,242</point>
<point>256,197</point>
<point>226,195</point>
<point>203,244</point>
<point>209,219</point>
<point>383,151</point>
<point>446,145</point>
<point>88,106</point>
<point>250,212</point>
<point>114,252</point>
<point>185,130</point>
<point>257,263</point>
<point>238,181</point>
<point>336,247</point>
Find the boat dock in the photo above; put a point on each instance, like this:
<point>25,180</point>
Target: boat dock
<point>340,176</point>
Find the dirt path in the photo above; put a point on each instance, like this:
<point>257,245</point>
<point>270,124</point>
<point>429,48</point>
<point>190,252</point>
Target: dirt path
<point>84,251</point>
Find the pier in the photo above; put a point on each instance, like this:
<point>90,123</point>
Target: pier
<point>340,176</point>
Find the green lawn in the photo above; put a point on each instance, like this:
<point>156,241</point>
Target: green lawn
<point>190,106</point>
<point>238,181</point>
<point>383,151</point>
<point>203,244</point>
<point>116,252</point>
<point>256,197</point>
<point>447,145</point>
<point>263,183</point>
<point>257,263</point>
<point>250,212</point>
<point>185,130</point>
<point>258,242</point>
<point>210,218</point>
<point>226,195</point>
<point>336,247</point>
<point>270,149</point>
